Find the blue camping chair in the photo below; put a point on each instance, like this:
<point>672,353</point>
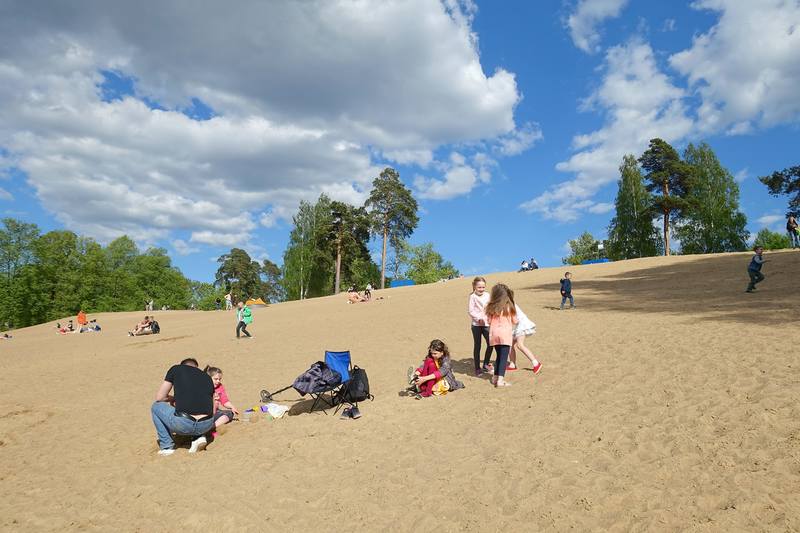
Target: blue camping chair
<point>340,362</point>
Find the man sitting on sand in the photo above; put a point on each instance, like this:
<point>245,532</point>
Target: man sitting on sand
<point>189,412</point>
<point>142,328</point>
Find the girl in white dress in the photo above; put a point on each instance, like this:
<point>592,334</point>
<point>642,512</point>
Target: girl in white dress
<point>524,328</point>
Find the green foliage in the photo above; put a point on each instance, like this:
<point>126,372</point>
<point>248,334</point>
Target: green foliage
<point>631,232</point>
<point>393,212</point>
<point>272,286</point>
<point>307,261</point>
<point>667,179</point>
<point>349,235</point>
<point>239,274</point>
<point>770,240</point>
<point>583,248</point>
<point>711,222</point>
<point>426,265</point>
<point>204,295</point>
<point>786,181</point>
<point>57,274</point>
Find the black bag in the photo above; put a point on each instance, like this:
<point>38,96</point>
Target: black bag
<point>358,387</point>
<point>155,328</point>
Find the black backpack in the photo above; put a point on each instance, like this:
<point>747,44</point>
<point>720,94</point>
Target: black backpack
<point>358,387</point>
<point>155,328</point>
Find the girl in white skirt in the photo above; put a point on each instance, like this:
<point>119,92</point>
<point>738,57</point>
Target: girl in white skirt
<point>524,328</point>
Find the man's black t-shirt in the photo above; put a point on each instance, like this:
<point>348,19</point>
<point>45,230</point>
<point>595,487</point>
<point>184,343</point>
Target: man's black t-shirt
<point>193,390</point>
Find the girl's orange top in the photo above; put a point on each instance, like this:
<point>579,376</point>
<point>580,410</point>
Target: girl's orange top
<point>501,329</point>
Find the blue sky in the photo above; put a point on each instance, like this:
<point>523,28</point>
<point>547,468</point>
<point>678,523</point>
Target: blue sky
<point>201,131</point>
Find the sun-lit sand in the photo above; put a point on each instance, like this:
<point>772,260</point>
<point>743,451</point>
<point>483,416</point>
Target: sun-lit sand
<point>669,400</point>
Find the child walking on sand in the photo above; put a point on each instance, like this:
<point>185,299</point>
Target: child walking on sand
<point>224,410</point>
<point>524,328</point>
<point>502,317</point>
<point>566,291</point>
<point>754,269</point>
<point>435,377</point>
<point>243,319</point>
<point>476,308</point>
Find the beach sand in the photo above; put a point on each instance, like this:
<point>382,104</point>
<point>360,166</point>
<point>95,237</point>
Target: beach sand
<point>669,400</point>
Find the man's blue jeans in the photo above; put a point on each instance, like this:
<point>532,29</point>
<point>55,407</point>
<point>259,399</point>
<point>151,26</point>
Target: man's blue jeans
<point>794,238</point>
<point>564,300</point>
<point>167,423</point>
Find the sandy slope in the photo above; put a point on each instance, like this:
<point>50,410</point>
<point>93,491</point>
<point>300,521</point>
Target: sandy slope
<point>668,400</point>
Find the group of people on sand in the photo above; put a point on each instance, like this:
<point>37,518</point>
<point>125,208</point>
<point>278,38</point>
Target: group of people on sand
<point>353,296</point>
<point>190,403</point>
<point>528,265</point>
<point>84,325</point>
<point>147,326</point>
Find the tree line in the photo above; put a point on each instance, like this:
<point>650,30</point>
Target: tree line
<point>692,198</point>
<point>48,276</point>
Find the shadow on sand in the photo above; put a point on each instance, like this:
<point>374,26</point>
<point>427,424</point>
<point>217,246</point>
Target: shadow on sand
<point>707,288</point>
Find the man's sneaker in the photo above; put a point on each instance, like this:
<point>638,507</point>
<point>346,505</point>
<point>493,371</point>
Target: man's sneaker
<point>537,368</point>
<point>198,444</point>
<point>355,413</point>
<point>166,451</point>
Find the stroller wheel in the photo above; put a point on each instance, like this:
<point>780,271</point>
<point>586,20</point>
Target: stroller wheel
<point>266,397</point>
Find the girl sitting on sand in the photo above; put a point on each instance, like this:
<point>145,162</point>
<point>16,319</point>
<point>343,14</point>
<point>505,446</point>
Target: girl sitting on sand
<point>502,316</point>
<point>224,410</point>
<point>480,327</point>
<point>435,376</point>
<point>524,328</point>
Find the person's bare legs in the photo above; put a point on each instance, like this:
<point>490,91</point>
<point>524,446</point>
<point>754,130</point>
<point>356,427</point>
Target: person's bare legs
<point>519,343</point>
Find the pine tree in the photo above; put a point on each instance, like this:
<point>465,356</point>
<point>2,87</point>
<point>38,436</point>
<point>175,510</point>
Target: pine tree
<point>667,179</point>
<point>631,232</point>
<point>712,222</point>
<point>393,210</point>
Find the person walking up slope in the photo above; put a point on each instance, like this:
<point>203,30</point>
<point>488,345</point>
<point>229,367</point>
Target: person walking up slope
<point>754,270</point>
<point>566,291</point>
<point>244,317</point>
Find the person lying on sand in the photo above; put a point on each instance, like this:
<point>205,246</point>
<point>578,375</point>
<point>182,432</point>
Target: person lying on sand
<point>69,328</point>
<point>189,412</point>
<point>435,376</point>
<point>5,337</point>
<point>92,327</point>
<point>353,297</point>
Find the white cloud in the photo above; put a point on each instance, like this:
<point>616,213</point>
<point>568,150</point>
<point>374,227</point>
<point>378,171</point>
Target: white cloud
<point>601,208</point>
<point>669,25</point>
<point>183,247</point>
<point>520,140</point>
<point>742,175</point>
<point>305,93</point>
<point>460,178</point>
<point>640,103</point>
<point>5,195</point>
<point>587,16</point>
<point>746,68</point>
<point>768,220</point>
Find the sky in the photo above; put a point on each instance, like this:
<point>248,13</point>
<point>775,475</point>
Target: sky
<point>198,126</point>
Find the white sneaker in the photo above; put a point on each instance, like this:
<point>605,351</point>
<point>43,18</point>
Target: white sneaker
<point>198,445</point>
<point>166,451</point>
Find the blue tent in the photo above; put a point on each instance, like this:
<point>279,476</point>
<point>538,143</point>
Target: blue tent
<point>401,283</point>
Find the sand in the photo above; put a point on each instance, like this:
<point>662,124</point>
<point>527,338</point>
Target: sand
<point>669,400</point>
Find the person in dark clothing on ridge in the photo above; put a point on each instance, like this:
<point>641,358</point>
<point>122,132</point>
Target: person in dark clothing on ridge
<point>566,291</point>
<point>754,269</point>
<point>189,412</point>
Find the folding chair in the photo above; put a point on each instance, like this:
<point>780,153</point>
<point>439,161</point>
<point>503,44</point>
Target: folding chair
<point>340,362</point>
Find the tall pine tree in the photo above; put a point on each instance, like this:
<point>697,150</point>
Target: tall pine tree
<point>667,179</point>
<point>711,222</point>
<point>631,232</point>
